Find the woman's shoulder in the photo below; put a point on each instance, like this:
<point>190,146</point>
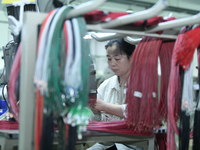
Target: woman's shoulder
<point>106,87</point>
<point>109,82</point>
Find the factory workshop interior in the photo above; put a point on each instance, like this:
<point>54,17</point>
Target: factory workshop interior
<point>54,59</point>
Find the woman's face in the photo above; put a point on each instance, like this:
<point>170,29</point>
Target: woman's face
<point>117,61</point>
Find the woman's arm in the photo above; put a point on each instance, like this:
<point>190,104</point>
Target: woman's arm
<point>110,108</point>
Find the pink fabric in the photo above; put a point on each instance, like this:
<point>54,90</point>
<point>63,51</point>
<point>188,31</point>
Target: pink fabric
<point>101,16</point>
<point>182,56</point>
<point>93,16</point>
<point>161,140</point>
<point>4,125</point>
<point>12,84</point>
<point>174,96</point>
<point>9,125</point>
<point>115,127</point>
<point>143,112</point>
<point>185,45</point>
<point>165,61</point>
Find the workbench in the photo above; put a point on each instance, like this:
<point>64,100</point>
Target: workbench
<point>9,139</point>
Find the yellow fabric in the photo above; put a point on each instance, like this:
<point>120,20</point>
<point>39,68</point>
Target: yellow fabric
<point>12,1</point>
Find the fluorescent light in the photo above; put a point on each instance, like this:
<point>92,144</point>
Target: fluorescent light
<point>129,11</point>
<point>98,34</point>
<point>87,37</point>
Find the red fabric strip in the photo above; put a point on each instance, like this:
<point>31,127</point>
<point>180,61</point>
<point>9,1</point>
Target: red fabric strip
<point>161,140</point>
<point>102,16</point>
<point>12,83</point>
<point>143,112</point>
<point>115,127</point>
<point>9,125</point>
<point>38,118</point>
<point>185,45</point>
<point>165,61</point>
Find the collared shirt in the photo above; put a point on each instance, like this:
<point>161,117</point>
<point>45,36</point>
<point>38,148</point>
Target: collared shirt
<point>111,92</point>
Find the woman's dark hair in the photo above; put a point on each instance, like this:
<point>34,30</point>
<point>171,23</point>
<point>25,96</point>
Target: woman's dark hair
<point>125,47</point>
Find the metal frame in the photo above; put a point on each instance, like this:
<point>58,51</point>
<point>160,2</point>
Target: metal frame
<point>27,96</point>
<point>130,32</point>
<point>9,139</point>
<point>141,15</point>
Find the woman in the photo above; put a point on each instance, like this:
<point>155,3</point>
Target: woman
<point>112,92</point>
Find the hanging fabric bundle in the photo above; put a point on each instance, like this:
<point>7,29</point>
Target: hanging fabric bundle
<point>182,56</point>
<point>54,77</point>
<point>186,108</point>
<point>142,93</point>
<point>39,83</point>
<point>186,105</point>
<point>196,130</point>
<point>61,78</point>
<point>186,44</point>
<point>104,16</point>
<point>115,127</point>
<point>12,98</point>
<point>77,74</point>
<point>160,141</point>
<point>165,61</point>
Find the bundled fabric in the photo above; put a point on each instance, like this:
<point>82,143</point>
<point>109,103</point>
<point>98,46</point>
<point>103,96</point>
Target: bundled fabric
<point>142,96</point>
<point>161,141</point>
<point>165,56</point>
<point>116,127</point>
<point>142,93</point>
<point>174,97</point>
<point>104,16</point>
<point>12,96</point>
<point>9,125</point>
<point>186,106</point>
<point>77,75</point>
<point>61,78</point>
<point>183,52</point>
<point>185,45</point>
<point>187,95</point>
<point>38,80</point>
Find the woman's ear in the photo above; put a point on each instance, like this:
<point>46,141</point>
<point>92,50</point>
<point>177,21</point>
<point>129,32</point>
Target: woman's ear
<point>130,60</point>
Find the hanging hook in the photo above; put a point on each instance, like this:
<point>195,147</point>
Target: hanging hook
<point>108,37</point>
<point>84,8</point>
<point>14,25</point>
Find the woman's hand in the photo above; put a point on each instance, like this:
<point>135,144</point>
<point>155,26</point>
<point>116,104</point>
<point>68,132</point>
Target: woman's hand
<point>99,105</point>
<point>113,109</point>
